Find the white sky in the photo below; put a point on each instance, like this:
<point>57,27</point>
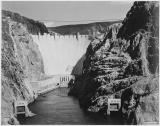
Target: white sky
<point>69,10</point>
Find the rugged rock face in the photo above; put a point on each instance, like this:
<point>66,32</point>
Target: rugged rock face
<point>33,27</point>
<point>21,63</point>
<point>123,63</point>
<point>140,102</point>
<point>142,15</point>
<point>142,22</point>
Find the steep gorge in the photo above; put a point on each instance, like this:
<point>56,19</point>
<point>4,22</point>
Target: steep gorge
<point>124,64</point>
<point>28,57</point>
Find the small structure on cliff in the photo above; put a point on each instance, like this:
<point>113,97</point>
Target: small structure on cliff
<point>113,105</point>
<point>20,107</point>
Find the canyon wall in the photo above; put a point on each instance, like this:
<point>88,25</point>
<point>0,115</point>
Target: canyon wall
<point>61,54</point>
<point>33,27</point>
<point>21,63</point>
<point>124,64</point>
<point>27,58</point>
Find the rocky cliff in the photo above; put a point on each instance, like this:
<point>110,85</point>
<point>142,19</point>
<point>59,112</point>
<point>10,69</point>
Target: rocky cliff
<point>123,63</point>
<point>33,27</point>
<point>21,63</point>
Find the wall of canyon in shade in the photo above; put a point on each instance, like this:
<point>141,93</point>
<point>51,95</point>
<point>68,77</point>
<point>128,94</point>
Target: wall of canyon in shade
<point>124,64</point>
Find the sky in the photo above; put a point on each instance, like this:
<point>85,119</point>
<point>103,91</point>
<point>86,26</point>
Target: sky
<point>56,13</point>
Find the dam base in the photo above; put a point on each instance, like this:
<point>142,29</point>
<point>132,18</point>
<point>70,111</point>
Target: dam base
<point>42,86</point>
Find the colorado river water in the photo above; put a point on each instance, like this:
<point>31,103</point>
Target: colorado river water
<point>56,107</point>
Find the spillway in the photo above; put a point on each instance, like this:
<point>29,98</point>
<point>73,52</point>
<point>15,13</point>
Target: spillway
<point>61,53</point>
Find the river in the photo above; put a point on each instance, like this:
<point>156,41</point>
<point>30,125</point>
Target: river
<point>57,108</point>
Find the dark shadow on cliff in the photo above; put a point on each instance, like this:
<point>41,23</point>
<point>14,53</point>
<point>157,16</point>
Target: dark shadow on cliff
<point>77,70</point>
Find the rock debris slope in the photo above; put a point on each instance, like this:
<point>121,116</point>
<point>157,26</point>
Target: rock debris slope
<point>21,62</point>
<point>123,63</point>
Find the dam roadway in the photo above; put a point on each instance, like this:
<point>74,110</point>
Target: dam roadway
<point>56,107</point>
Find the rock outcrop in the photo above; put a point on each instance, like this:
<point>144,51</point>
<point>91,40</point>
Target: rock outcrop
<point>123,63</point>
<point>33,27</point>
<point>21,63</point>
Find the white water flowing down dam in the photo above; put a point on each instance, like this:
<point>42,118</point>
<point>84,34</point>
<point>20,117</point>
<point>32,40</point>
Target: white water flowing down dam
<point>61,53</point>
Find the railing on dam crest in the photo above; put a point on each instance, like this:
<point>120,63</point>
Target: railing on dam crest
<point>76,37</point>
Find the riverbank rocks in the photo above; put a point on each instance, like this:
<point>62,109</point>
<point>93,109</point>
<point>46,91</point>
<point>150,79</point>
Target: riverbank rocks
<point>124,64</point>
<point>21,63</point>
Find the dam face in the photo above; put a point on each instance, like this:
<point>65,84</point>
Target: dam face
<point>62,53</point>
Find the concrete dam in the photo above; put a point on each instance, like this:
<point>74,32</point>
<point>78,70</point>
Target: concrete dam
<point>63,58</point>
<point>61,53</point>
